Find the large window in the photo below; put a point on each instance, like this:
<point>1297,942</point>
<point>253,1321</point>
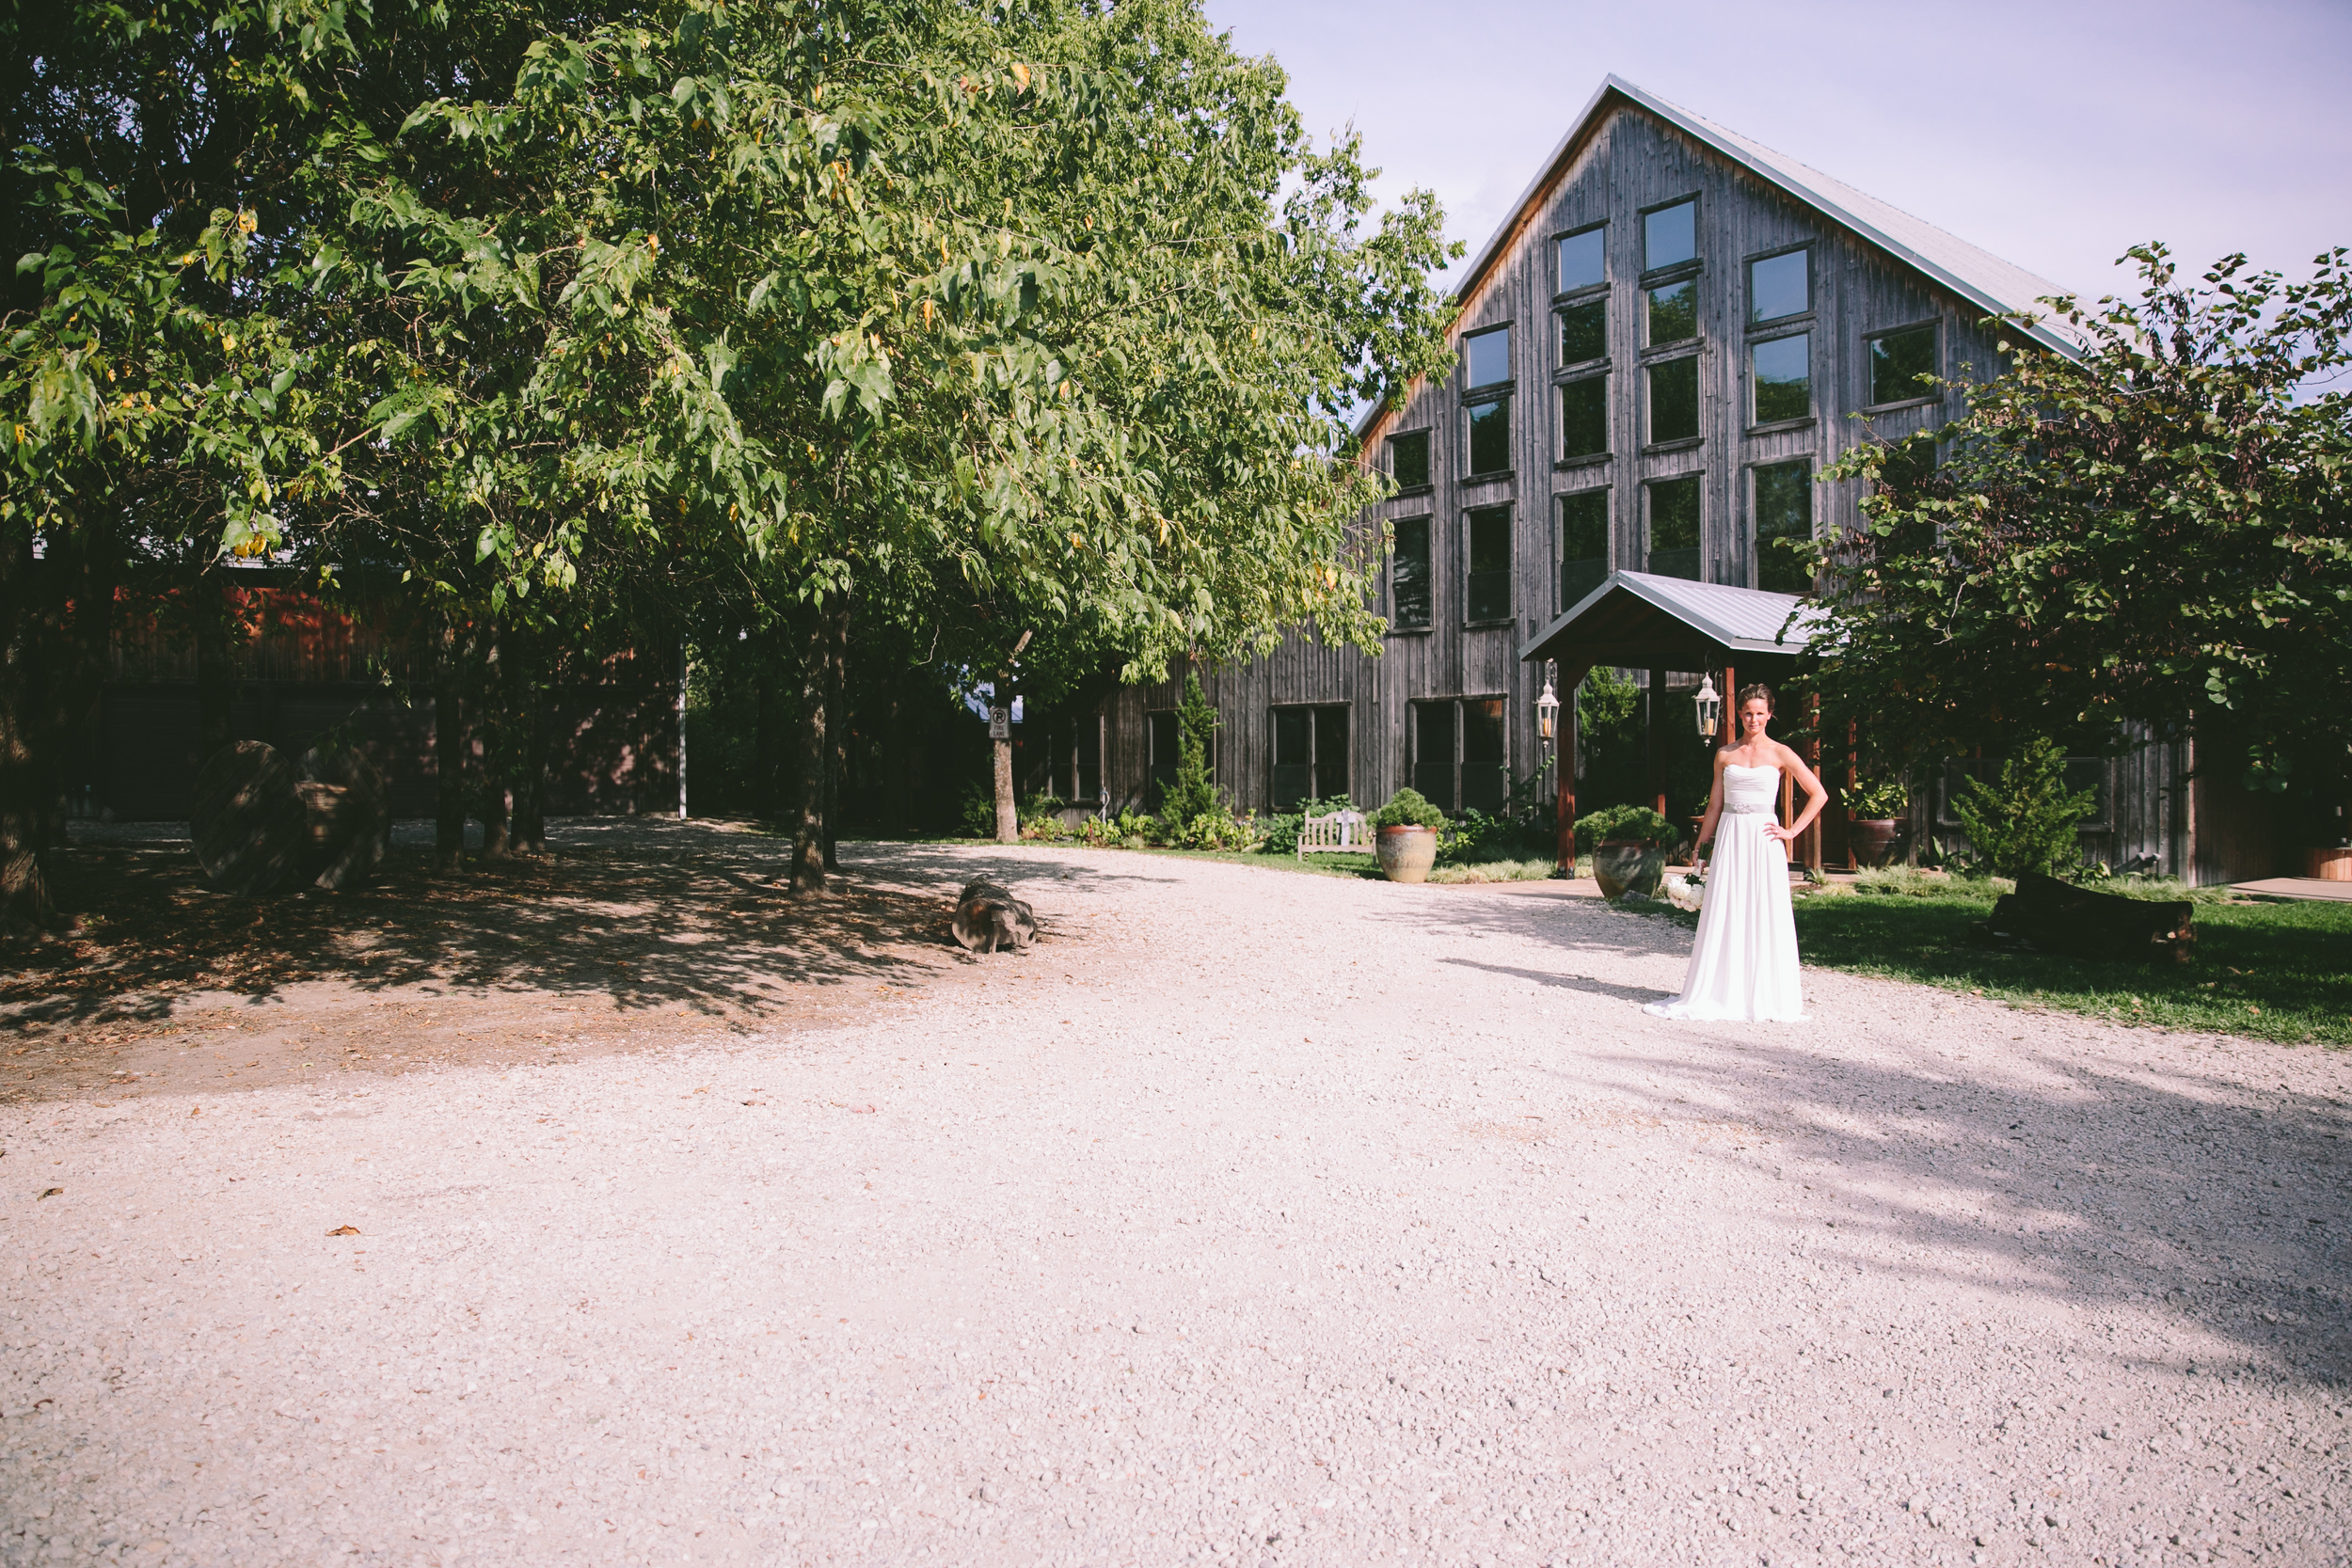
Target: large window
<point>1408,460</point>
<point>1487,437</point>
<point>1584,331</point>
<point>1160,740</point>
<point>1460,755</point>
<point>1674,400</point>
<point>1309,755</point>
<point>1781,377</point>
<point>1583,544</point>
<point>1784,513</point>
<point>1583,260</point>
<point>1486,358</point>
<point>1069,762</point>
<point>1409,576</point>
<point>1897,360</point>
<point>1670,235</point>
<point>1673,313</point>
<point>1486,534</point>
<point>1780,286</point>
<point>1584,418</point>
<point>1674,527</point>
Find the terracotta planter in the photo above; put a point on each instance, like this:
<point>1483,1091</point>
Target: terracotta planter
<point>1873,839</point>
<point>1408,853</point>
<point>1622,867</point>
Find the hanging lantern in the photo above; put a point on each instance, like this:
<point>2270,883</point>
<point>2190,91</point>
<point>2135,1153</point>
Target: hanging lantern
<point>1709,708</point>
<point>1548,713</point>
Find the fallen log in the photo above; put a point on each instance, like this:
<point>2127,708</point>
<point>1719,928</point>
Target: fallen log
<point>988,917</point>
<point>350,820</point>
<point>2059,917</point>
<point>247,820</point>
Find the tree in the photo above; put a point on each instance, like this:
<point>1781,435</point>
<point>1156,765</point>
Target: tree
<point>2028,823</point>
<point>2154,528</point>
<point>1194,793</point>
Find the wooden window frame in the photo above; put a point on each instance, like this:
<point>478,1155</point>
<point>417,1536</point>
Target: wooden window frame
<point>1582,291</point>
<point>1696,261</point>
<point>1413,763</point>
<point>1598,371</point>
<point>1792,327</point>
<point>1749,529</point>
<point>1505,393</point>
<point>1771,325</point>
<point>1649,534</point>
<point>1152,764</point>
<point>1924,399</point>
<point>1560,540</point>
<point>1698,330</point>
<point>1680,443</point>
<point>1575,369</point>
<point>1396,627</point>
<point>1389,453</point>
<point>1510,358</point>
<point>1509,573</point>
<point>1347,763</point>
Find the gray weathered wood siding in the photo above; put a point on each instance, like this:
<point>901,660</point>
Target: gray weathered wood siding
<point>1630,162</point>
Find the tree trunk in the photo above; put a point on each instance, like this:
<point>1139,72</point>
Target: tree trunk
<point>1007,814</point>
<point>449,745</point>
<point>837,724</point>
<point>808,823</point>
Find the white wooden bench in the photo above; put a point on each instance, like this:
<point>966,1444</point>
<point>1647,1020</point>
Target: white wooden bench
<point>1342,833</point>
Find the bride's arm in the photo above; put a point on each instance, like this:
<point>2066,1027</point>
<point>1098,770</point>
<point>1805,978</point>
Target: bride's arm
<point>1816,795</point>
<point>1714,809</point>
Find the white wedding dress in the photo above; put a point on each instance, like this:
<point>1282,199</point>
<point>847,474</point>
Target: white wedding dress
<point>1744,965</point>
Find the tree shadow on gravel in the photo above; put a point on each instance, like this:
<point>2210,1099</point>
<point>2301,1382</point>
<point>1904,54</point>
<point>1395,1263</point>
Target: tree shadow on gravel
<point>2136,1180</point>
<point>646,914</point>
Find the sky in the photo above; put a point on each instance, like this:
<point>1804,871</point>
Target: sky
<point>2053,134</point>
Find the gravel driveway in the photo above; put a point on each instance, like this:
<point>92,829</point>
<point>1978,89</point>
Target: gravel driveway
<point>1250,1217</point>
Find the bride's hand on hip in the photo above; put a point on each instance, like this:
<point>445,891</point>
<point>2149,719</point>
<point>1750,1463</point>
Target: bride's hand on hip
<point>1777,833</point>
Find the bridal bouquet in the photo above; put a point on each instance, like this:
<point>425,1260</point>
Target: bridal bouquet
<point>1684,893</point>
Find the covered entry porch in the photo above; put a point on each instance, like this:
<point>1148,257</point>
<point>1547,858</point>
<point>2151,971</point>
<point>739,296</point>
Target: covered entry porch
<point>1639,621</point>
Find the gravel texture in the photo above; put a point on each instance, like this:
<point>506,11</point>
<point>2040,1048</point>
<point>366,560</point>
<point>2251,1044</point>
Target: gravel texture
<point>1250,1218</point>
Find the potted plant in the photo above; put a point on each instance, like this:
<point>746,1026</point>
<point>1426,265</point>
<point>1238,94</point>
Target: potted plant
<point>1874,816</point>
<point>1629,848</point>
<point>1407,828</point>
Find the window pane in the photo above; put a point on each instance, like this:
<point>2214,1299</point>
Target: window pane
<point>1433,753</point>
<point>1582,261</point>
<point>1585,332</point>
<point>1897,362</point>
<point>1408,575</point>
<point>1293,767</point>
<point>1584,417</point>
<point>1408,460</point>
<point>1490,437</point>
<point>1784,510</point>
<point>1674,527</point>
<point>1160,734</point>
<point>1486,775</point>
<point>1488,582</point>
<point>1089,760</point>
<point>1670,234</point>
<point>1673,313</point>
<point>1777,286</point>
<point>1486,358</point>
<point>1331,752</point>
<point>1583,544</point>
<point>1674,400</point>
<point>1784,386</point>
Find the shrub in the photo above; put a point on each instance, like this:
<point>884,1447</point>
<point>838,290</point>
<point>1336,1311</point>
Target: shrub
<point>1409,808</point>
<point>2028,822</point>
<point>978,819</point>
<point>1625,825</point>
<point>1194,793</point>
<point>1040,819</point>
<point>1218,829</point>
<point>1879,801</point>
<point>1282,830</point>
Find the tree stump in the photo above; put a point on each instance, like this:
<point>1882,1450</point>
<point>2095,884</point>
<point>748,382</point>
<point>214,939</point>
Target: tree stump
<point>988,917</point>
<point>249,820</point>
<point>350,822</point>
<point>2060,917</point>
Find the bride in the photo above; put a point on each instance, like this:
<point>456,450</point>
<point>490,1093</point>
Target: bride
<point>1744,965</point>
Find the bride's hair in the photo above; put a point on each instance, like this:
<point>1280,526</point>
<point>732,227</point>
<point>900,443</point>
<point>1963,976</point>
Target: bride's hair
<point>1750,693</point>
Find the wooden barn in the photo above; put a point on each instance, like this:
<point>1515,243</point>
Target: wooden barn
<point>1660,349</point>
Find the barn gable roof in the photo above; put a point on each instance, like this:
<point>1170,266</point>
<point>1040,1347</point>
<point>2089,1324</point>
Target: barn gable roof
<point>1975,274</point>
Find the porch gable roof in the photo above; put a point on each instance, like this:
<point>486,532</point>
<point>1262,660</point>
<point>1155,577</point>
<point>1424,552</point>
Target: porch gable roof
<point>1640,621</point>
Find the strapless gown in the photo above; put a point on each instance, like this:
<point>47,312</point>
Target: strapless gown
<point>1744,965</point>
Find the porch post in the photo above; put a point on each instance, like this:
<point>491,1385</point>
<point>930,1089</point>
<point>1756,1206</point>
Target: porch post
<point>1653,715</point>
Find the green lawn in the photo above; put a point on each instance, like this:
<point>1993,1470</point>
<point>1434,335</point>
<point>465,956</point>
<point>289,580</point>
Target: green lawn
<point>2274,971</point>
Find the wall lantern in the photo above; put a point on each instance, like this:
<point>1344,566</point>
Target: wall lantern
<point>1709,708</point>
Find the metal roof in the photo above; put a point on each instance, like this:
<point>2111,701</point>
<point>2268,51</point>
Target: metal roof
<point>1638,620</point>
<point>1995,286</point>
